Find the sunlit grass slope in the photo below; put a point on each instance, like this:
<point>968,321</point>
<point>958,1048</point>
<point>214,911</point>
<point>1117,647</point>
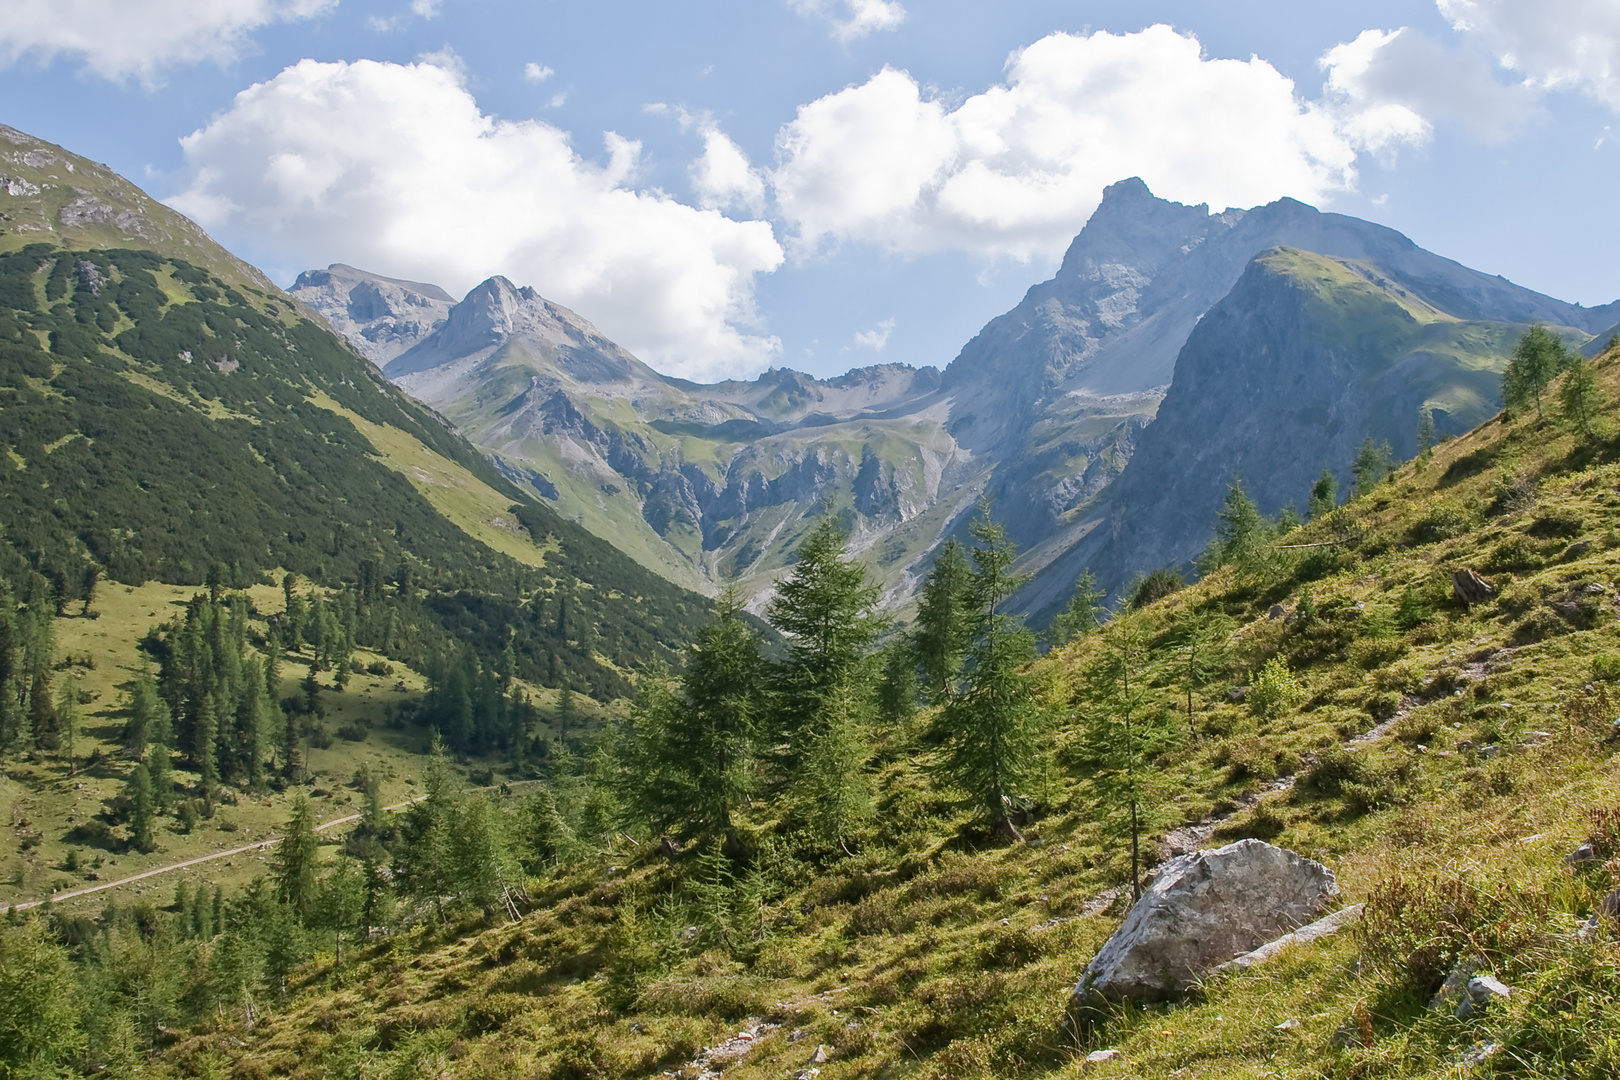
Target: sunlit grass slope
<point>1441,760</point>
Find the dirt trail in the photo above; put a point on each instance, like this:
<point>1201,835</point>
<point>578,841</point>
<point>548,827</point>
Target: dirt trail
<point>258,845</point>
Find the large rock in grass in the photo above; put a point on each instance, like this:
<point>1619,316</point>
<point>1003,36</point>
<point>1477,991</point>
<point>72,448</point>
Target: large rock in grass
<point>1201,911</point>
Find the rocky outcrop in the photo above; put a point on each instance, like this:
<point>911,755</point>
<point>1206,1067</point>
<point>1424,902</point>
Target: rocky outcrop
<point>1201,911</point>
<point>381,316</point>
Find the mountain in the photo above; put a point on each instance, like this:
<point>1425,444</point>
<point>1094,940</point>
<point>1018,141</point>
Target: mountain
<point>699,482</point>
<point>169,415</point>
<point>381,316</point>
<point>1040,412</point>
<point>1304,358</point>
<point>48,195</point>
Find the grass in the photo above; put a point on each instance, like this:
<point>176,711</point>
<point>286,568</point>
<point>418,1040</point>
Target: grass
<point>99,655</point>
<point>931,953</point>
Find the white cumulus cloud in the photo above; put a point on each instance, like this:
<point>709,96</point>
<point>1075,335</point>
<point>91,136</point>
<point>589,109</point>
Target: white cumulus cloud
<point>120,38</point>
<point>851,19</point>
<point>723,177</point>
<point>537,72</point>
<point>1017,169</point>
<point>394,168</point>
<point>1554,44</point>
<point>874,338</point>
<point>1391,87</point>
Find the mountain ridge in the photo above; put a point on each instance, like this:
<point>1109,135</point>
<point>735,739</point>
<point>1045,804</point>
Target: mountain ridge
<point>1041,411</point>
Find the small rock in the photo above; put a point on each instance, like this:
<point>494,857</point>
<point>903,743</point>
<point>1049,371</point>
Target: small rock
<point>807,1074</point>
<point>1577,549</point>
<point>1583,854</point>
<point>1287,1025</point>
<point>820,1056</point>
<point>796,1035</point>
<point>1455,988</point>
<point>1097,1057</point>
<point>1614,733</point>
<point>1489,750</point>
<point>1237,694</point>
<point>1536,738</point>
<point>1482,990</point>
<point>1277,611</point>
<point>1477,1054</point>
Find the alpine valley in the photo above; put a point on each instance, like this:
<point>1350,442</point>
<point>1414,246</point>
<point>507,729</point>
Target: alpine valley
<point>1103,417</point>
<point>372,705</point>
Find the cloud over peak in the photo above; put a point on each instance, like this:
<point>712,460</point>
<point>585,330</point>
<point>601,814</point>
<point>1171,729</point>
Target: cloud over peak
<point>395,168</point>
<point>1016,170</point>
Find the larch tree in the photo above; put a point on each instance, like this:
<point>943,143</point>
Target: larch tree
<point>991,730</point>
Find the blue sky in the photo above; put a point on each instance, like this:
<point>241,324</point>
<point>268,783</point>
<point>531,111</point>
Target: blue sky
<point>824,183</point>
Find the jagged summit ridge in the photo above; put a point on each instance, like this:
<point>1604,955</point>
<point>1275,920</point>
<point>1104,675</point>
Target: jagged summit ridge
<point>381,316</point>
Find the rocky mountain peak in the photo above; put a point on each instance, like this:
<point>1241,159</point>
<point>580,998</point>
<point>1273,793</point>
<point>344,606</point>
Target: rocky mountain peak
<point>380,316</point>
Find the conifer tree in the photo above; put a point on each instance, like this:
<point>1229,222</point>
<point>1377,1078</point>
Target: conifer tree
<point>1425,436</point>
<point>832,786</point>
<point>139,792</point>
<point>1123,734</point>
<point>991,730</point>
<point>1081,615</point>
<point>1242,537</point>
<point>694,747</point>
<point>1538,357</point>
<point>67,720</point>
<point>1371,465</point>
<point>1199,640</point>
<point>39,1001</point>
<point>295,858</point>
<point>944,622</point>
<point>1324,496</point>
<point>205,747</point>
<point>1578,397</point>
<point>42,713</point>
<point>424,862</point>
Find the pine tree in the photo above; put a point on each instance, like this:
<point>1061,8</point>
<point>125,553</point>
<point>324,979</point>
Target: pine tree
<point>1199,640</point>
<point>944,623</point>
<point>205,748</point>
<point>424,862</point>
<point>1537,359</point>
<point>293,865</point>
<point>991,731</point>
<point>1578,397</point>
<point>1123,732</point>
<point>1425,436</point>
<point>832,786</point>
<point>1324,496</point>
<point>1080,616</point>
<point>139,792</point>
<point>1371,465</point>
<point>67,720</point>
<point>695,746</point>
<point>39,1001</point>
<point>1242,536</point>
<point>141,712</point>
<point>827,610</point>
<point>42,713</point>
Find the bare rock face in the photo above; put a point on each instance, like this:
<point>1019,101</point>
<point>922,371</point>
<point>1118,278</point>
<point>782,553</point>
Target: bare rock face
<point>1203,910</point>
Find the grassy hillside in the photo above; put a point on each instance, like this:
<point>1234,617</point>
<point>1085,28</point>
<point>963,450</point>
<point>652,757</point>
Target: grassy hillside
<point>1442,761</point>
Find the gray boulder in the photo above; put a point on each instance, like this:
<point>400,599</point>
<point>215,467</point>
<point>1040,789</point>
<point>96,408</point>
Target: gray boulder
<point>1202,910</point>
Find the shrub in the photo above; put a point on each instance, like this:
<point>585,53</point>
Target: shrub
<point>1606,667</point>
<point>1275,690</point>
<point>1560,525</point>
<point>1443,522</point>
<point>1253,757</point>
<point>1155,586</point>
